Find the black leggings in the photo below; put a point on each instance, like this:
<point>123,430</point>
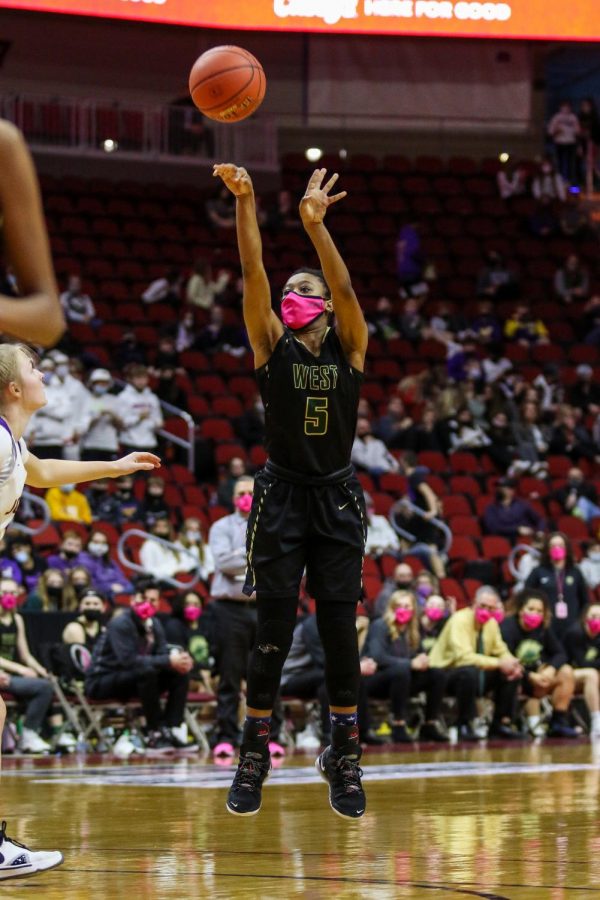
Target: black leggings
<point>276,622</point>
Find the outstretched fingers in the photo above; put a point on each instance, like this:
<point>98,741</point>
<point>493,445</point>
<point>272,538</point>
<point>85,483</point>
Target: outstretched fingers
<point>330,183</point>
<point>337,197</point>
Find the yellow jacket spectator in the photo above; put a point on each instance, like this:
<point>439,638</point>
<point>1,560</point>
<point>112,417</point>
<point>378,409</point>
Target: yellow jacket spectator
<point>67,504</point>
<point>457,645</point>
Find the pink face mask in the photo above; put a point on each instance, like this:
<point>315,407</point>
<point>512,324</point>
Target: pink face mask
<point>191,613</point>
<point>145,610</point>
<point>482,615</point>
<point>593,625</point>
<point>298,311</point>
<point>498,615</point>
<point>243,503</point>
<point>403,616</point>
<point>8,601</point>
<point>532,620</point>
<point>557,553</point>
<point>434,613</point>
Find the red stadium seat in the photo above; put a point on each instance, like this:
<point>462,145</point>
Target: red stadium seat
<point>467,526</point>
<point>457,505</point>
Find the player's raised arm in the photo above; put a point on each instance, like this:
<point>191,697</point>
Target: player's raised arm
<point>351,325</point>
<point>35,317</point>
<point>264,328</point>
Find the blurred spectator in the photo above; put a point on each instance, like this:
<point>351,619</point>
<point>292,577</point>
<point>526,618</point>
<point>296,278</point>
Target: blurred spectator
<point>189,132</point>
<point>447,319</point>
<point>167,388</point>
<point>52,593</point>
<point>573,220</point>
<point>79,579</point>
<point>250,427</point>
<point>495,279</point>
<point>590,565</point>
<point>394,427</point>
<point>544,222</point>
<point>236,467</point>
<point>402,579</point>
<point>426,540</point>
<point>585,393</point>
<point>485,327</point>
<point>529,442</point>
<point>571,438</point>
<point>578,497</point>
<point>106,575</point>
<point>128,351</point>
<point>369,453</point>
<point>159,560</point>
<point>465,434</point>
<point>68,554</point>
<point>559,577</point>
<point>591,321</point>
<point>412,323</point>
<point>512,181</point>
<point>217,336</point>
<point>192,544</point>
<point>9,568</point>
<point>303,673</point>
<point>77,306</point>
<point>79,400</point>
<point>22,674</point>
<point>425,584</point>
<point>139,410</point>
<point>524,328</point>
<point>167,288</point>
<point>384,323</point>
<point>410,262</point>
<point>528,636</point>
<point>529,559</point>
<point>19,548</point>
<point>548,182</point>
<point>191,628</point>
<point>132,659</point>
<point>589,137</point>
<point>203,288</point>
<point>381,537</point>
<point>153,505</point>
<point>508,516</point>
<point>166,354</point>
<point>564,130</point>
<point>402,670</point>
<point>185,336</point>
<point>501,448</point>
<point>471,644</point>
<point>572,280</point>
<point>220,209</point>
<point>283,213</point>
<point>101,440</point>
<point>67,504</point>
<point>433,616</point>
<point>129,507</point>
<point>428,435</point>
<point>550,387</point>
<point>88,626</point>
<point>582,644</point>
<point>104,503</point>
<point>50,427</point>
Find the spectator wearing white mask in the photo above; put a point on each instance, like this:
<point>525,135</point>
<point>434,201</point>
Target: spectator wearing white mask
<point>49,428</point>
<point>140,411</point>
<point>101,440</point>
<point>78,397</point>
<point>590,565</point>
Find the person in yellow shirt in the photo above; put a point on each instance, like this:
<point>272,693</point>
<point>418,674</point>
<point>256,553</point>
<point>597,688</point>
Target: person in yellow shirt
<point>472,647</point>
<point>67,504</point>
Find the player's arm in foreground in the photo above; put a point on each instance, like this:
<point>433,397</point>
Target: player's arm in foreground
<point>264,328</point>
<point>36,316</point>
<point>45,473</point>
<point>350,322</point>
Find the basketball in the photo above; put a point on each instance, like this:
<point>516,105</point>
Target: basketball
<point>227,84</point>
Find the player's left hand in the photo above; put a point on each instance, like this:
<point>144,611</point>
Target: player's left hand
<point>139,461</point>
<point>316,200</point>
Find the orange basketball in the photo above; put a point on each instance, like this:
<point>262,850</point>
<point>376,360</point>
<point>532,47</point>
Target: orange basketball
<point>227,84</point>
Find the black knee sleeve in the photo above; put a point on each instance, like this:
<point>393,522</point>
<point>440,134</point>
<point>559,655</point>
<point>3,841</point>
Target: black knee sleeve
<point>337,628</point>
<point>274,633</point>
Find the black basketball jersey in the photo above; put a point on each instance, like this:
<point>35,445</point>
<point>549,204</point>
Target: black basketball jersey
<point>310,405</point>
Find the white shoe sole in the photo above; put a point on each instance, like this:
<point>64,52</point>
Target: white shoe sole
<point>254,812</point>
<point>321,772</point>
<point>28,871</point>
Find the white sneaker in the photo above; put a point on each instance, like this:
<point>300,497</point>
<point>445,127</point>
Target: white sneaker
<point>480,727</point>
<point>180,733</point>
<point>307,739</point>
<point>595,730</point>
<point>18,861</point>
<point>31,742</point>
<point>66,741</point>
<point>536,726</point>
<point>123,747</point>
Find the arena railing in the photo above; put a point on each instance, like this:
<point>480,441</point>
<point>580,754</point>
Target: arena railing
<point>33,500</point>
<point>126,561</point>
<point>516,551</point>
<point>404,504</point>
<point>89,126</point>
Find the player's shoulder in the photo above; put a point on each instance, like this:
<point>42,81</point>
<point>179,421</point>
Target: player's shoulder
<point>10,136</point>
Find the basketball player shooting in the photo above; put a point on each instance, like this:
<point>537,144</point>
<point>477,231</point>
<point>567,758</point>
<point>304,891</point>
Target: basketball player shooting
<point>35,316</point>
<point>308,510</point>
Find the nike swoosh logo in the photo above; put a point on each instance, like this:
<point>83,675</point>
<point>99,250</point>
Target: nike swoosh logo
<point>344,506</point>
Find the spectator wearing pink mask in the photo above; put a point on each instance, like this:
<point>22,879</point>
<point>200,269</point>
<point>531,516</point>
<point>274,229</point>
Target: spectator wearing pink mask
<point>132,659</point>
<point>562,581</point>
<point>191,627</point>
<point>582,644</point>
<point>402,668</point>
<point>528,636</point>
<point>471,642</point>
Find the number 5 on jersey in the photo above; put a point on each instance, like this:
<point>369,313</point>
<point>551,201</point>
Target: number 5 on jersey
<point>316,417</point>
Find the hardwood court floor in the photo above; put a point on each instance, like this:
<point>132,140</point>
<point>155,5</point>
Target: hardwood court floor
<point>502,823</point>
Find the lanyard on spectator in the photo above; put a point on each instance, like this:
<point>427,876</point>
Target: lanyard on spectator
<point>560,583</point>
<point>481,649</point>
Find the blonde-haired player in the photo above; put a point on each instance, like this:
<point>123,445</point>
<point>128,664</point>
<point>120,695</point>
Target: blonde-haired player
<point>35,317</point>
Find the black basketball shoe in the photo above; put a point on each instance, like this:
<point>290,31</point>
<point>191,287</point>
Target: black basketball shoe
<point>245,794</point>
<point>339,768</point>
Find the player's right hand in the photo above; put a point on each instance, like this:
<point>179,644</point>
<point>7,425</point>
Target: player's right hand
<point>234,177</point>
